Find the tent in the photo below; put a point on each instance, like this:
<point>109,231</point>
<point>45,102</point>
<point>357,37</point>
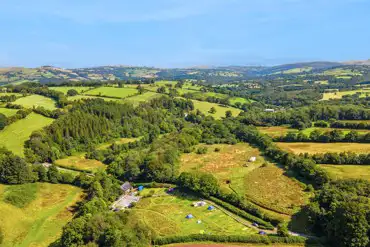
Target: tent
<point>189,216</point>
<point>211,207</point>
<point>140,188</point>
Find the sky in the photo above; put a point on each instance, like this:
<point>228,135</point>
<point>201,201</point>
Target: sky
<point>181,33</point>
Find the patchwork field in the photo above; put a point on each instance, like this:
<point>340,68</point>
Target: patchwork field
<point>113,92</point>
<point>39,219</point>
<point>312,148</point>
<point>258,181</point>
<point>80,162</point>
<point>35,101</point>
<point>166,215</point>
<point>65,89</point>
<point>14,135</point>
<point>204,107</point>
<point>348,171</point>
<point>8,112</point>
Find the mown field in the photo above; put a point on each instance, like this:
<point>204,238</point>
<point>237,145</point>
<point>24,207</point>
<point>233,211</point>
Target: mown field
<point>34,214</point>
<point>204,107</point>
<point>339,95</point>
<point>80,162</point>
<point>312,148</point>
<point>113,92</point>
<point>65,89</point>
<point>35,101</point>
<point>348,171</point>
<point>259,181</point>
<point>8,112</point>
<point>14,135</point>
<point>166,215</point>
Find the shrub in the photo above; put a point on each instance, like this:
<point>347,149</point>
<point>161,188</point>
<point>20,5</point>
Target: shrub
<point>217,149</point>
<point>202,150</point>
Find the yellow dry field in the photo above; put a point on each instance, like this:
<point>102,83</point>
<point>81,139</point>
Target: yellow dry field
<point>313,148</point>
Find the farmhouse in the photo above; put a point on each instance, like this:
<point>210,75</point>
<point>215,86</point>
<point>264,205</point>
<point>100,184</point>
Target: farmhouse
<point>126,187</point>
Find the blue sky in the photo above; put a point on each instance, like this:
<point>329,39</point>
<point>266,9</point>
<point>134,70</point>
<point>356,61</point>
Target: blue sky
<point>181,33</point>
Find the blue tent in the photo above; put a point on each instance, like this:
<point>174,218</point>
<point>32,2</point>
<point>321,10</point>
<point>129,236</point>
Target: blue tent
<point>189,216</point>
<point>211,207</point>
<point>140,188</point>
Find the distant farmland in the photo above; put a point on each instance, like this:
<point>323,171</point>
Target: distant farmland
<point>312,148</point>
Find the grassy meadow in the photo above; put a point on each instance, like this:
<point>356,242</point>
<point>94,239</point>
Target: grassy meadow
<point>312,148</point>
<point>8,112</point>
<point>258,181</point>
<point>82,97</point>
<point>14,135</point>
<point>35,100</point>
<point>204,107</point>
<point>146,96</point>
<point>80,162</point>
<point>166,215</point>
<point>348,171</point>
<point>65,89</point>
<point>38,219</point>
<point>118,141</point>
<point>340,94</point>
<point>113,92</point>
<point>276,131</point>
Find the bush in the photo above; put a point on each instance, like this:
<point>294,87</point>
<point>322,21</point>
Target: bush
<point>20,195</point>
<point>202,150</point>
<point>217,149</point>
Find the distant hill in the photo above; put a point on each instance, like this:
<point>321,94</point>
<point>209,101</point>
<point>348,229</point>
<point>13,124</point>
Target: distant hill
<point>47,74</point>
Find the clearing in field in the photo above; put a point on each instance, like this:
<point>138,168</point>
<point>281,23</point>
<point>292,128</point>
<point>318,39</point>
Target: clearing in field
<point>113,92</point>
<point>262,183</point>
<point>14,135</point>
<point>35,101</point>
<point>348,171</point>
<point>65,89</point>
<point>39,219</point>
<point>80,162</point>
<point>166,215</point>
<point>8,112</point>
<point>312,148</point>
<point>204,107</point>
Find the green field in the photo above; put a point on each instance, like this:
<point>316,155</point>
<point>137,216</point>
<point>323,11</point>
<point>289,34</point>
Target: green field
<point>348,171</point>
<point>82,97</point>
<point>308,131</point>
<point>313,147</point>
<point>65,89</point>
<point>240,100</point>
<point>256,181</point>
<point>9,94</point>
<point>80,162</point>
<point>297,70</point>
<point>340,94</point>
<point>113,92</point>
<point>40,221</point>
<point>146,96</point>
<point>35,101</point>
<point>8,112</point>
<point>166,215</point>
<point>276,131</point>
<point>14,135</point>
<point>118,141</point>
<point>204,107</point>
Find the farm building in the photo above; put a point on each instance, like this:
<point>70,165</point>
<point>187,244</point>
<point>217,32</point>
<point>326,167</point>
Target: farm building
<point>126,187</point>
<point>269,110</point>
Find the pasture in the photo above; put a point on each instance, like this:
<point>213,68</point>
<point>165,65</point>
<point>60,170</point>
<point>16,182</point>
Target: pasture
<point>348,171</point>
<point>8,112</point>
<point>313,148</point>
<point>323,130</point>
<point>146,96</point>
<point>113,92</point>
<point>80,162</point>
<point>259,181</point>
<point>82,97</point>
<point>166,215</point>
<point>14,135</point>
<point>234,100</point>
<point>204,107</point>
<point>35,100</point>
<point>39,219</point>
<point>340,94</point>
<point>65,89</point>
<point>276,131</point>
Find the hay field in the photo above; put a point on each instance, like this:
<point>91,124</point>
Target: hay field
<point>35,101</point>
<point>312,148</point>
<point>40,222</point>
<point>65,89</point>
<point>80,162</point>
<point>113,92</point>
<point>13,136</point>
<point>348,171</point>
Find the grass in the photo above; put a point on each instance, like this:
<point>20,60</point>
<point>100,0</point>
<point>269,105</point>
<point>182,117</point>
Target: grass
<point>14,135</point>
<point>80,162</point>
<point>8,112</point>
<point>36,100</point>
<point>65,89</point>
<point>348,171</point>
<point>275,131</point>
<point>119,142</point>
<point>323,130</point>
<point>113,92</point>
<point>297,70</point>
<point>340,94</point>
<point>40,222</point>
<point>135,100</point>
<point>240,100</point>
<point>259,184</point>
<point>166,216</point>
<point>82,97</point>
<point>312,148</point>
<point>20,195</point>
<point>204,107</point>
